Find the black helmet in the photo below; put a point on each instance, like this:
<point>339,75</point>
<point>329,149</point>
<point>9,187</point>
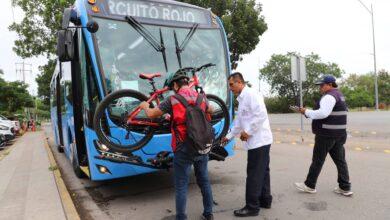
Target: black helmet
<point>173,77</point>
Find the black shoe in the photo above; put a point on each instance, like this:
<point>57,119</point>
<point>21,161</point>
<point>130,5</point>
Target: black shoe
<point>265,203</point>
<point>245,212</point>
<point>208,217</point>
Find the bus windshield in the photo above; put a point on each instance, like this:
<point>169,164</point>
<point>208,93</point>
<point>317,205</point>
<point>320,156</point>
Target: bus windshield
<point>125,54</point>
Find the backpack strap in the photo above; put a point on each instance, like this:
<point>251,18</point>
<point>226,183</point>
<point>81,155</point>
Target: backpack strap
<point>181,99</point>
<point>199,99</point>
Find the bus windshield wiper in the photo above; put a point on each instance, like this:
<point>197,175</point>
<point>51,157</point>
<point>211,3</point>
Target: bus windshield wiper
<point>183,45</point>
<point>158,46</point>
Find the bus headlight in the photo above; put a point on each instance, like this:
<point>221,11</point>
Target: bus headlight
<point>100,146</point>
<point>103,169</point>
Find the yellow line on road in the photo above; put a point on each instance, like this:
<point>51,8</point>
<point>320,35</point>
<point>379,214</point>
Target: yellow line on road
<point>356,132</point>
<point>294,143</point>
<point>373,132</point>
<point>67,202</point>
<point>387,151</point>
<point>358,149</point>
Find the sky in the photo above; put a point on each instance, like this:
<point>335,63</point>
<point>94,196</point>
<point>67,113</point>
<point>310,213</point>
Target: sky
<point>338,31</point>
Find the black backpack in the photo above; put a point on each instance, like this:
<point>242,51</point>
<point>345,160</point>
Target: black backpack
<point>200,132</point>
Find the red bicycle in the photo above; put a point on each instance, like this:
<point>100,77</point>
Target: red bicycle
<point>122,126</point>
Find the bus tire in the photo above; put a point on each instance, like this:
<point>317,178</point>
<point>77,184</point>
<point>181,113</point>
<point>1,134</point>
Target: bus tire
<point>100,111</point>
<point>76,168</point>
<point>60,149</point>
<point>224,114</point>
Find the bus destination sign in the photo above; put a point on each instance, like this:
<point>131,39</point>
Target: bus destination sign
<point>156,10</point>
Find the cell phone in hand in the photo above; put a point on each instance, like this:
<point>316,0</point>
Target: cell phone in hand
<point>294,108</point>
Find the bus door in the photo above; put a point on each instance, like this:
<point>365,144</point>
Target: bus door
<point>58,100</point>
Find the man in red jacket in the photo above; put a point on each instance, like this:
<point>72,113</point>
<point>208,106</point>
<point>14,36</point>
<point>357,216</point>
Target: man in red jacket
<point>185,156</point>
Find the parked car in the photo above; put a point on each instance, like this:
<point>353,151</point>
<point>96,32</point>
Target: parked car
<point>3,141</point>
<point>11,124</point>
<point>7,131</point>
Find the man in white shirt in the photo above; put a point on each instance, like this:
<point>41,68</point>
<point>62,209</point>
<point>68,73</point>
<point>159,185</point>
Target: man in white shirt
<point>329,126</point>
<point>252,124</point>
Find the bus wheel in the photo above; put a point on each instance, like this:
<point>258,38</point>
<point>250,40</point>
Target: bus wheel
<point>220,115</point>
<point>60,149</point>
<point>110,122</point>
<point>76,167</point>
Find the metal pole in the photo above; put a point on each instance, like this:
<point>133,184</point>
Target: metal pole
<point>300,92</point>
<point>375,73</point>
<point>374,51</point>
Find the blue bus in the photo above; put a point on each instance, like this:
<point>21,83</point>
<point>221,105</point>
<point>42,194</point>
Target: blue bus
<point>99,52</point>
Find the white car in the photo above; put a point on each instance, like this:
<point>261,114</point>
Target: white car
<point>7,131</point>
<point>9,123</point>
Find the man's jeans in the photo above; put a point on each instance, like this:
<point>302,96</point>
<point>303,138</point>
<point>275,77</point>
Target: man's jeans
<point>182,163</point>
<point>335,147</point>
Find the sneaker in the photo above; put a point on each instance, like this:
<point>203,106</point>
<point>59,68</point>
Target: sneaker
<point>343,192</point>
<point>302,187</point>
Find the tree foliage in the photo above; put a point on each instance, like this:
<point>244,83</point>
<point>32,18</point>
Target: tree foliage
<point>277,72</point>
<point>14,96</point>
<point>43,81</point>
<point>242,22</point>
<point>37,35</point>
<point>359,90</point>
<point>38,29</point>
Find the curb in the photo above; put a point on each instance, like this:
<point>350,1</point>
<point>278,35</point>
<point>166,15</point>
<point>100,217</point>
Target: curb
<point>66,200</point>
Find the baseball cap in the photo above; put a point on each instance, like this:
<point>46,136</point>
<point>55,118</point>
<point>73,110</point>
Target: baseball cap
<point>326,79</point>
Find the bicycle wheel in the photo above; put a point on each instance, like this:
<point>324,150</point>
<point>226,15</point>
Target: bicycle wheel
<point>110,122</point>
<point>220,118</point>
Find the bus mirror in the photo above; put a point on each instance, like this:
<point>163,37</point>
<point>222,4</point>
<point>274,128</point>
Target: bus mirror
<point>65,47</point>
<point>92,26</point>
<point>66,18</point>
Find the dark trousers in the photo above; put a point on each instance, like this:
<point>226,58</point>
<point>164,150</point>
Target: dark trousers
<point>258,189</point>
<point>335,147</point>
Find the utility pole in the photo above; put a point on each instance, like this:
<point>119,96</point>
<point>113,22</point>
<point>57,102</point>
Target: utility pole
<point>374,53</point>
<point>21,68</point>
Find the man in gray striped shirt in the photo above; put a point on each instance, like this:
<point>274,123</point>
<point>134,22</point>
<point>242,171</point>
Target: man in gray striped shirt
<point>330,128</point>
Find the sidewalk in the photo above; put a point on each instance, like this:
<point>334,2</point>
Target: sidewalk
<point>28,189</point>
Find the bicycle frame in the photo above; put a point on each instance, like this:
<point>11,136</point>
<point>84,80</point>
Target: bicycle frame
<point>154,96</point>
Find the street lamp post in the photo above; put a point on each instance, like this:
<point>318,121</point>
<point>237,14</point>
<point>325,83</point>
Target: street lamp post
<point>373,40</point>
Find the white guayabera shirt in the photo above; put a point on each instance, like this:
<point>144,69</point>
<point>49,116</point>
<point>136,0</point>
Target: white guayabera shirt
<point>252,118</point>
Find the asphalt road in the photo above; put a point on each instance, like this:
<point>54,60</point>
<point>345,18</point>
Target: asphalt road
<point>151,196</point>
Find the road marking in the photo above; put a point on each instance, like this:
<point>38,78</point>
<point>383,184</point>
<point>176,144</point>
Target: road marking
<point>373,132</point>
<point>288,130</point>
<point>278,142</point>
<point>356,132</point>
<point>298,130</point>
<point>387,151</point>
<point>311,145</point>
<point>358,149</point>
<point>294,143</point>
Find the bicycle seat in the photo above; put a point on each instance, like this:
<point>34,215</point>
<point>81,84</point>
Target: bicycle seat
<point>149,76</point>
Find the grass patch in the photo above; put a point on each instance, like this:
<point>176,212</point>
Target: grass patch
<point>52,168</point>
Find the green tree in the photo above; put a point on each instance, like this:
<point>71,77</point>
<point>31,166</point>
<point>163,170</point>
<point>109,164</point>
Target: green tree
<point>38,29</point>
<point>37,35</point>
<point>14,96</point>
<point>242,22</point>
<point>44,80</point>
<point>359,89</point>
<point>277,72</point>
